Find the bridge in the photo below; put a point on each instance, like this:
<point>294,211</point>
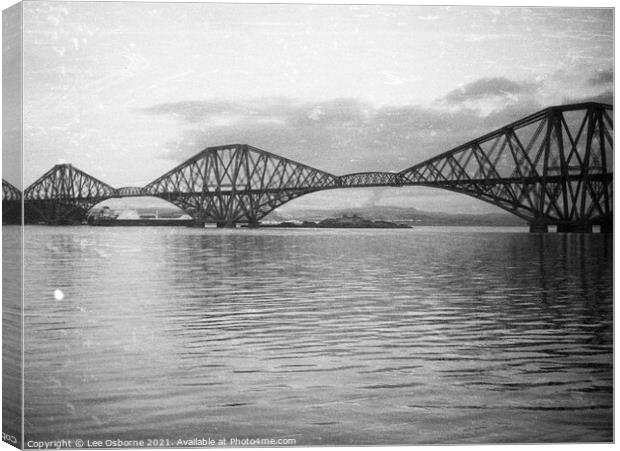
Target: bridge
<point>552,168</point>
<point>11,204</point>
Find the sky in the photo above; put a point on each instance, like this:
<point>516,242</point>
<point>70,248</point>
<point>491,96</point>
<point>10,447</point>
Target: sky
<point>126,91</point>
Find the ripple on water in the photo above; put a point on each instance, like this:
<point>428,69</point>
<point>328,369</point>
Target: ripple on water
<point>334,337</point>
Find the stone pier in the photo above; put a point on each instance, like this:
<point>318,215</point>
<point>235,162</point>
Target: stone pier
<point>539,228</point>
<point>226,225</point>
<point>575,228</point>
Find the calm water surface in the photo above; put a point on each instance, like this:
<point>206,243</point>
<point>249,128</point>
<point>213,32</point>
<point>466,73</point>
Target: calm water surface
<point>416,336</point>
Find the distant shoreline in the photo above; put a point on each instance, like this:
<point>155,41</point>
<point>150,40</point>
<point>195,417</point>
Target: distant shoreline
<point>286,225</point>
<point>343,222</point>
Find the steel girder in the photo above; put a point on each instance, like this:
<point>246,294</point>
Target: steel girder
<point>553,167</point>
<point>363,179</point>
<point>9,192</point>
<point>131,191</point>
<point>64,194</point>
<point>237,183</point>
<point>11,204</point>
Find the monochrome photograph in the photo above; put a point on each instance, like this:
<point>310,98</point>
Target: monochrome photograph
<point>244,225</point>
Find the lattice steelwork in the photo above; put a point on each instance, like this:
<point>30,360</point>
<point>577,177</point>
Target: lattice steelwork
<point>553,167</point>
<point>131,191</point>
<point>237,183</point>
<point>361,179</point>
<point>11,204</point>
<point>64,194</point>
<point>9,192</point>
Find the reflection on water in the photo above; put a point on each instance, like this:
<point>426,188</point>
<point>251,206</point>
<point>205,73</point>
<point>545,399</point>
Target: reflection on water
<point>327,336</point>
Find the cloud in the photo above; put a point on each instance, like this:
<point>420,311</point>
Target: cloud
<point>347,135</point>
<point>602,97</point>
<point>339,136</point>
<point>484,88</point>
<point>602,77</point>
<point>196,111</point>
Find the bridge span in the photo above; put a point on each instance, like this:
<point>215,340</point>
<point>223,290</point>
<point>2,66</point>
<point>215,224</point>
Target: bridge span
<point>552,168</point>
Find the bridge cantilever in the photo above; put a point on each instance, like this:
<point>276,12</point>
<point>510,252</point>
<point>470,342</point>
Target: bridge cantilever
<point>11,204</point>
<point>10,192</point>
<point>554,167</point>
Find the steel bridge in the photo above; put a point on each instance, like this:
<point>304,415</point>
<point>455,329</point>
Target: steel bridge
<point>11,204</point>
<point>552,168</point>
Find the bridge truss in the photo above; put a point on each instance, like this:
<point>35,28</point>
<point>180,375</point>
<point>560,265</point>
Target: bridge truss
<point>365,179</point>
<point>237,183</point>
<point>11,204</point>
<point>554,167</point>
<point>63,195</point>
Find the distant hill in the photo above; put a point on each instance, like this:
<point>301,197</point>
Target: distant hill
<point>411,216</point>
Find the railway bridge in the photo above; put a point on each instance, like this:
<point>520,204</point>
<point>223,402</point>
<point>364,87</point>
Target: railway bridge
<point>552,168</point>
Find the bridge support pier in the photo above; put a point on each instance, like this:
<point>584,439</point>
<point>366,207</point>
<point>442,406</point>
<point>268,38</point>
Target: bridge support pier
<point>198,224</point>
<point>226,225</point>
<point>538,228</point>
<point>575,228</point>
<point>253,225</point>
<point>607,227</point>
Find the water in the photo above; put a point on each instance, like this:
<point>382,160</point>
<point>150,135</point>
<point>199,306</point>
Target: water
<point>417,336</point>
